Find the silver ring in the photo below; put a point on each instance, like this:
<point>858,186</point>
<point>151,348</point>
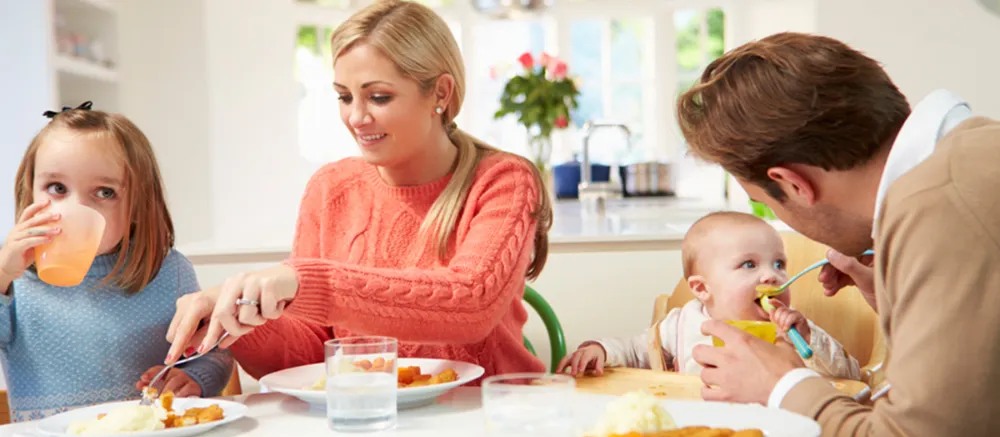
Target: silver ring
<point>248,302</point>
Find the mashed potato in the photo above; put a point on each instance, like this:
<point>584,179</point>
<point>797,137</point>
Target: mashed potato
<point>634,412</point>
<point>125,419</point>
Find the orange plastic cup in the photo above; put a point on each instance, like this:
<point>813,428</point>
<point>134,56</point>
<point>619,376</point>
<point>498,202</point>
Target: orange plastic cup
<point>767,331</point>
<point>65,261</point>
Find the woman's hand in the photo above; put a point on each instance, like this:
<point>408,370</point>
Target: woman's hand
<point>242,303</point>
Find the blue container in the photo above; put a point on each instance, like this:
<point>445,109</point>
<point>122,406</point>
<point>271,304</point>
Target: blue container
<point>566,178</point>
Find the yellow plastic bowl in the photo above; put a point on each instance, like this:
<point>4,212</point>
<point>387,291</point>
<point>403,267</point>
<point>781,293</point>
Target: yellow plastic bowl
<point>767,331</point>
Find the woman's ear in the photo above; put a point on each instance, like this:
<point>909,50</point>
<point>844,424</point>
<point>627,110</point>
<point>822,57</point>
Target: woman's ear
<point>444,88</point>
<point>698,287</point>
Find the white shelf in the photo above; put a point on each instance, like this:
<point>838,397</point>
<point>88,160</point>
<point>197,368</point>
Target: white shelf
<point>85,69</point>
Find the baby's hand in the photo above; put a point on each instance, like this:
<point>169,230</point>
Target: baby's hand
<point>588,357</point>
<point>176,380</point>
<point>786,318</point>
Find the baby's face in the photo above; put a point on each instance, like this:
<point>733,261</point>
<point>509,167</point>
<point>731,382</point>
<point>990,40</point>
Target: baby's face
<point>733,262</point>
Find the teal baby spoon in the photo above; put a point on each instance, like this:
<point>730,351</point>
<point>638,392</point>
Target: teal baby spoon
<point>801,346</point>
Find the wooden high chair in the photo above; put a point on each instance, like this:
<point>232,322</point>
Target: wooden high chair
<point>846,316</point>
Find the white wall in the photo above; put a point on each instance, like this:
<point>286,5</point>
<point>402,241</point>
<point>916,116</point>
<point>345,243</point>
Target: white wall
<point>26,85</point>
<point>925,44</point>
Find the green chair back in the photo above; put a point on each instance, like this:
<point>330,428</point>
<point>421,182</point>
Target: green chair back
<point>557,340</point>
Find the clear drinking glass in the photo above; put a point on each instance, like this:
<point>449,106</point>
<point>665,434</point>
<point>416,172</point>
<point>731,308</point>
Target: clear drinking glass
<point>361,383</point>
<point>529,405</point>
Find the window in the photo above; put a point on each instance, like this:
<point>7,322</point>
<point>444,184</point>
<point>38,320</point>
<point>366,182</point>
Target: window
<point>609,57</point>
<point>700,40</point>
<point>489,71</point>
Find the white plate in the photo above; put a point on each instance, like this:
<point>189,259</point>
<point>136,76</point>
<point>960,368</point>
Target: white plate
<point>293,381</point>
<point>772,421</point>
<point>55,426</point>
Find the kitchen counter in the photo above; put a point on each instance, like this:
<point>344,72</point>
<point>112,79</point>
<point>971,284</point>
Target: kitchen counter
<point>634,220</point>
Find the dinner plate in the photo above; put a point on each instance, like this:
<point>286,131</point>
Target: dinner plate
<point>56,425</point>
<point>296,380</point>
<point>772,421</point>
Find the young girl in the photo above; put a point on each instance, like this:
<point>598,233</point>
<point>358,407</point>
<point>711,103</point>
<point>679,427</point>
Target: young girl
<point>102,340</point>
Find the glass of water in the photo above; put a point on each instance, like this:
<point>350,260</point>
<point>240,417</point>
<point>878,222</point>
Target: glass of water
<point>529,405</point>
<point>361,383</point>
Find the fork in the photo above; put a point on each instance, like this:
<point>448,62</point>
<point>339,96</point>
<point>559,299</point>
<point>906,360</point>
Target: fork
<point>147,398</point>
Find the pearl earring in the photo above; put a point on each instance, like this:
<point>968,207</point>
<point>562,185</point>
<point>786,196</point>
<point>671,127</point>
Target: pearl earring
<point>439,110</point>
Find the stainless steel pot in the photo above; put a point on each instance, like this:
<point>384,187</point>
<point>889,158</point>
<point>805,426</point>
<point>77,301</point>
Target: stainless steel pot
<point>648,179</point>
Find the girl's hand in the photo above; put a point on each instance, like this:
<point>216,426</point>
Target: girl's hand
<point>176,380</point>
<point>786,318</point>
<point>587,357</point>
<point>32,229</point>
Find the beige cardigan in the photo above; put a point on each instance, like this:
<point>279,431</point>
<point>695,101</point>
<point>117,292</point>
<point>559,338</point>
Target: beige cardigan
<point>937,282</point>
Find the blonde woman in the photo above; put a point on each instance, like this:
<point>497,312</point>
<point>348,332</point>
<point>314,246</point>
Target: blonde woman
<point>428,237</point>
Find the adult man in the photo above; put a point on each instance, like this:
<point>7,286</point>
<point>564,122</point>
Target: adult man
<point>818,132</point>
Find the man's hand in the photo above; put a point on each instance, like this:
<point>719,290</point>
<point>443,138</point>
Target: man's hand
<point>844,271</point>
<point>746,369</point>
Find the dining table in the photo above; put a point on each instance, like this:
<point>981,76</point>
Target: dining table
<point>457,413</point>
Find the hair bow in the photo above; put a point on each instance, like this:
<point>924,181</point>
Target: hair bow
<point>85,106</point>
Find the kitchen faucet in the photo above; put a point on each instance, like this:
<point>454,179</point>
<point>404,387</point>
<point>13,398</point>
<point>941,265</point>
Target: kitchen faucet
<point>595,194</point>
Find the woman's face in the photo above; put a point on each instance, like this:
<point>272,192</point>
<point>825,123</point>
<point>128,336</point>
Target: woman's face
<point>390,117</point>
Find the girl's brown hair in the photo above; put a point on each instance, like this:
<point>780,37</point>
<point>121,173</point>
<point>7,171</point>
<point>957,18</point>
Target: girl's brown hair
<point>151,233</point>
<point>420,43</point>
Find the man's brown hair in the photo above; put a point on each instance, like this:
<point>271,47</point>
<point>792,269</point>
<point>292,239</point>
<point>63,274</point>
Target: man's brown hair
<point>790,98</point>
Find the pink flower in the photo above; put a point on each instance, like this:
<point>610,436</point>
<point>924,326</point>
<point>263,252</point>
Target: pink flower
<point>546,61</point>
<point>561,121</point>
<point>560,70</point>
<point>526,61</point>
<point>493,73</point>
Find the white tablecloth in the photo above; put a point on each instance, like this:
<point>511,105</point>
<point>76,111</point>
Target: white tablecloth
<point>457,414</point>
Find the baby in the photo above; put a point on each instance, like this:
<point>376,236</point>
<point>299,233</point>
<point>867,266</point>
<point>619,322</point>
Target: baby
<point>726,255</point>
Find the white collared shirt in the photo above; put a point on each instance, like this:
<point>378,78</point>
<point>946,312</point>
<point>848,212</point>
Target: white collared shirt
<point>932,118</point>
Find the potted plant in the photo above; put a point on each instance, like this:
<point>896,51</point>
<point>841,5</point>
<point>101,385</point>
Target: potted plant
<point>541,96</point>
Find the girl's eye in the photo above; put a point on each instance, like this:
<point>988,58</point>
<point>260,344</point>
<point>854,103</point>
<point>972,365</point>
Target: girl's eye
<point>105,193</point>
<point>748,265</point>
<point>780,265</point>
<point>381,99</point>
<point>56,188</point>
<point>346,98</point>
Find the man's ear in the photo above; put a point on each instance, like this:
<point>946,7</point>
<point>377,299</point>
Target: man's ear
<point>794,184</point>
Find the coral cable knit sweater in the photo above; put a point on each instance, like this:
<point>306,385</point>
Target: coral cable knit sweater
<point>363,271</point>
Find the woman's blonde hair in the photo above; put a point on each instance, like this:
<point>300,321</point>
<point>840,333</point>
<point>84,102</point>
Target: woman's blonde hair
<point>421,45</point>
<point>151,232</point>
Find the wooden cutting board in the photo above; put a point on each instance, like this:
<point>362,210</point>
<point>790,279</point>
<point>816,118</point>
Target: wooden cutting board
<point>621,380</point>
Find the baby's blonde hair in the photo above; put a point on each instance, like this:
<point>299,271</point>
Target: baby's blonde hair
<point>422,46</point>
<point>704,227</point>
<point>151,232</point>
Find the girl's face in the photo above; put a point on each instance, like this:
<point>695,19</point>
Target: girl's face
<point>82,168</point>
